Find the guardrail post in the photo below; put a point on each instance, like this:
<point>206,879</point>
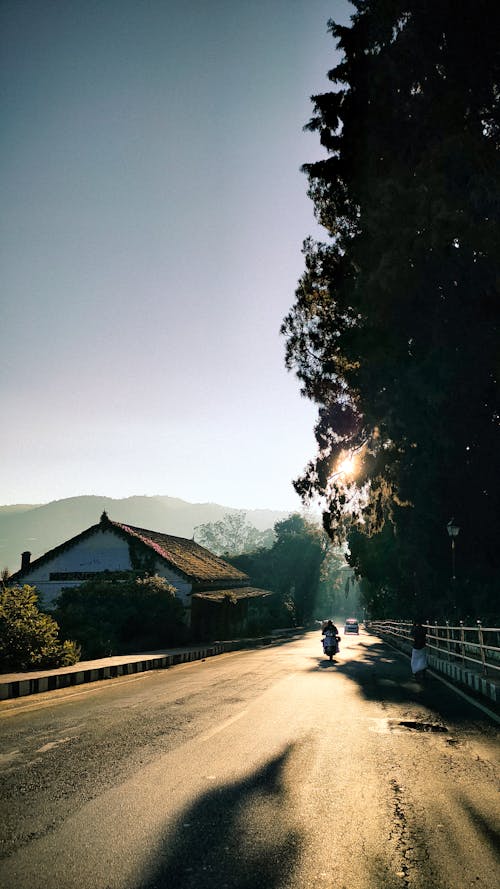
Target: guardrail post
<point>481,645</point>
<point>448,644</point>
<point>462,641</point>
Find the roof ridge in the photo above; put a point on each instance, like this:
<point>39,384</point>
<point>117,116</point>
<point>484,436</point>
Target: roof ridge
<point>150,531</point>
<point>184,555</point>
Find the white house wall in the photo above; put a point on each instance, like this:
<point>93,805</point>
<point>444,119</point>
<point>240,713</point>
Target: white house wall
<point>183,587</point>
<point>103,551</point>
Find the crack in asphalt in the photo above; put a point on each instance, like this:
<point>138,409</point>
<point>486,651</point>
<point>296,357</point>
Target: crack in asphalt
<point>409,853</point>
<point>398,833</point>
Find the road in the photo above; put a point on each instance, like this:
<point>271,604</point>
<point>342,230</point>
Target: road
<point>262,769</point>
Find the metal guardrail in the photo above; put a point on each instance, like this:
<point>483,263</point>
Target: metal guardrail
<point>477,646</point>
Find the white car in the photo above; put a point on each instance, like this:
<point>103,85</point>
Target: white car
<point>351,626</point>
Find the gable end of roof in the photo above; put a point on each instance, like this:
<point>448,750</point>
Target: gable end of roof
<point>189,559</point>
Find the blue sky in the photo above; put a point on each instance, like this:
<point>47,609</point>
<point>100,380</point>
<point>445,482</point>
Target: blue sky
<point>153,217</point>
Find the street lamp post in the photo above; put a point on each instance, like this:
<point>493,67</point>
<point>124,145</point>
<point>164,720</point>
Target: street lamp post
<point>453,532</point>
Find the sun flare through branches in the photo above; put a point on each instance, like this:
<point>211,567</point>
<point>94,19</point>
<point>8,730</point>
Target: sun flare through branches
<point>347,467</point>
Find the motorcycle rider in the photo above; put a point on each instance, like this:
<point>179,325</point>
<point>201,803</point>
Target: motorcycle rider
<point>330,633</point>
<point>329,629</point>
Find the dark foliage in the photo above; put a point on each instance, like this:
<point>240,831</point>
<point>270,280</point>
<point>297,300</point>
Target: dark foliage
<point>291,569</point>
<point>121,615</point>
<point>394,331</point>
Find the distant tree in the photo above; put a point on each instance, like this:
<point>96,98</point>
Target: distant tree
<point>232,535</point>
<point>121,614</point>
<point>394,331</point>
<point>29,639</point>
<point>291,568</point>
<point>300,550</point>
<point>338,590</point>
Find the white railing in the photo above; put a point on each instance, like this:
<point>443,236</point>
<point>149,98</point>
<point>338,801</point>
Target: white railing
<point>477,647</point>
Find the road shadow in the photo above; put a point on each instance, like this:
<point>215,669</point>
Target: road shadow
<point>383,674</point>
<point>487,829</point>
<point>240,836</point>
<point>324,663</point>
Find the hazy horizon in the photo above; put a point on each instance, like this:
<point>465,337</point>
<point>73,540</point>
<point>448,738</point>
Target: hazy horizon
<point>39,527</point>
<point>101,496</point>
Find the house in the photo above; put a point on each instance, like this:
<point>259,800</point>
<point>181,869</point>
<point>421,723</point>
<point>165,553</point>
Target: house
<point>195,572</point>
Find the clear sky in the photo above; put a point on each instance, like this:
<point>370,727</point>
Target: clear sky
<point>153,212</point>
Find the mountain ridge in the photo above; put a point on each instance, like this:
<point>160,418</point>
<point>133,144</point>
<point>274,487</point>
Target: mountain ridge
<point>38,528</point>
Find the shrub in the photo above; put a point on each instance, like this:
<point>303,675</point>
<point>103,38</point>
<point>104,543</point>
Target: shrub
<point>28,637</point>
<point>122,614</point>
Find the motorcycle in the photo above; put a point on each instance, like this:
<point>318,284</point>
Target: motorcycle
<point>330,645</point>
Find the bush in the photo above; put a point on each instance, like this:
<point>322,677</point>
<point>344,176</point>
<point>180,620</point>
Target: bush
<point>29,639</point>
<point>121,615</point>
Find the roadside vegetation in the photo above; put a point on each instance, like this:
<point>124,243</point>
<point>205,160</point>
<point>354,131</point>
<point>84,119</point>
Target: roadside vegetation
<point>120,614</point>
<point>30,639</point>
<point>309,576</point>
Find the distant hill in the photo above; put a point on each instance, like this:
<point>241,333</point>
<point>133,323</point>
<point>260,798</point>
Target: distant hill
<point>40,528</point>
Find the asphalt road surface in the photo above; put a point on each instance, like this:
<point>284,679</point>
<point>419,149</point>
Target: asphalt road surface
<point>263,769</point>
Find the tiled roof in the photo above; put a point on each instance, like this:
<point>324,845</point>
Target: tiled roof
<point>245,592</point>
<point>189,558</point>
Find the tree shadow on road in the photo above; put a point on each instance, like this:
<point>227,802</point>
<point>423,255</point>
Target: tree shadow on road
<point>487,829</point>
<point>383,674</point>
<point>240,836</point>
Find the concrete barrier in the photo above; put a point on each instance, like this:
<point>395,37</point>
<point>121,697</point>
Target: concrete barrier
<point>482,685</point>
<point>17,685</point>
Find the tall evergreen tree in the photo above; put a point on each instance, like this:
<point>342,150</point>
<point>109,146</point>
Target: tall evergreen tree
<point>394,331</point>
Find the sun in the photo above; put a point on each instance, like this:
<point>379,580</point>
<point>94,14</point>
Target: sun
<point>347,466</point>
